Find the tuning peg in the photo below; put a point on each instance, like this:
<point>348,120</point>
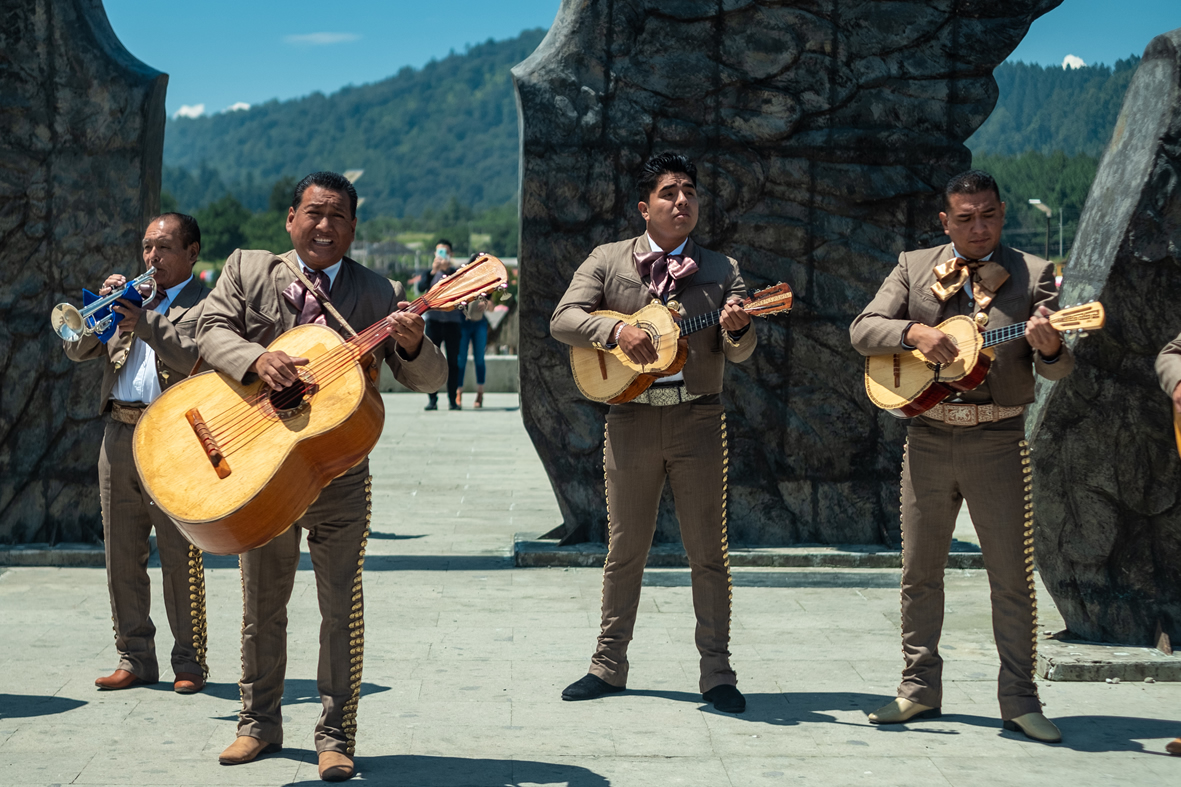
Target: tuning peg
<point>1083,334</point>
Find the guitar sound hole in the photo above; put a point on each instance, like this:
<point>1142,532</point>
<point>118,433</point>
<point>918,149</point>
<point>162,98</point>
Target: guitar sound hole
<point>290,401</point>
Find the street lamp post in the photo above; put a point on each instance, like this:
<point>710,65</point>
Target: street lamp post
<point>1037,203</point>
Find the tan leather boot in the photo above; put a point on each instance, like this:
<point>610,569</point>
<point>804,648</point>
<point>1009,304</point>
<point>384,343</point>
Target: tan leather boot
<point>335,767</point>
<point>1035,726</point>
<point>246,748</point>
<point>900,710</point>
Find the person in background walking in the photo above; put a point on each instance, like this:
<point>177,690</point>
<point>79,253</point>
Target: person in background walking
<point>473,333</point>
<point>443,328</point>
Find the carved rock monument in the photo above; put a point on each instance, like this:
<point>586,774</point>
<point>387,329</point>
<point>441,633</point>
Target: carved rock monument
<point>1107,494</point>
<point>81,138</point>
<point>823,131</point>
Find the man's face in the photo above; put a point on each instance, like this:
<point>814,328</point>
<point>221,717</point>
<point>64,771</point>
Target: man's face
<point>671,209</point>
<point>164,251</point>
<point>974,222</point>
<point>322,227</point>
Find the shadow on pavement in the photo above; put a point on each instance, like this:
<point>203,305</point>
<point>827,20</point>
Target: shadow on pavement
<point>295,691</point>
<point>393,536</point>
<point>27,706</point>
<point>423,771</point>
<point>782,579</point>
<point>784,710</point>
<point>396,562</point>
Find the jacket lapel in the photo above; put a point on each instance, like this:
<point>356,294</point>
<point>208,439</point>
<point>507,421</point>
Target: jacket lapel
<point>282,277</point>
<point>345,293</point>
<point>186,299</point>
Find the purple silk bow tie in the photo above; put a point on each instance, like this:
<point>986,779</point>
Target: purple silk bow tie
<point>664,270</point>
<point>307,304</point>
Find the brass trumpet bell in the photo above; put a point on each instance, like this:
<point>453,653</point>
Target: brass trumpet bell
<point>95,317</point>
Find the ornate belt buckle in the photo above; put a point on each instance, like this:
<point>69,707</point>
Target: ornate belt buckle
<point>961,415</point>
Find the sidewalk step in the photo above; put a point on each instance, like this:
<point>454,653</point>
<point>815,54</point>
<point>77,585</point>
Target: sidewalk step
<point>1097,662</point>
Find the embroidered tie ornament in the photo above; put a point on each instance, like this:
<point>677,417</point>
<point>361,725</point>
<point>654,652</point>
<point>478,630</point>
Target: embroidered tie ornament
<point>986,278</point>
<point>307,303</point>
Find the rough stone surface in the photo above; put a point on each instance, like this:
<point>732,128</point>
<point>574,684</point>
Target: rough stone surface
<point>81,138</point>
<point>823,132</point>
<point>1107,494</point>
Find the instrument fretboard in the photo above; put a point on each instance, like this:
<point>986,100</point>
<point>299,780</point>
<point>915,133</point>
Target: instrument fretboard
<point>692,324</point>
<point>1002,335</point>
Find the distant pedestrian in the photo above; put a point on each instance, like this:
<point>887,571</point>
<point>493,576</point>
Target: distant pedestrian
<point>474,334</point>
<point>443,328</point>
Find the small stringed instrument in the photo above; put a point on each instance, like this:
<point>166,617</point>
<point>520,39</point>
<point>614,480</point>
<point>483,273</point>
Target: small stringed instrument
<point>610,376</point>
<point>236,465</point>
<point>907,384</point>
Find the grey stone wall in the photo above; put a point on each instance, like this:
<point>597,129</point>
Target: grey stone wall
<point>823,132</point>
<point>1107,488</point>
<point>81,139</point>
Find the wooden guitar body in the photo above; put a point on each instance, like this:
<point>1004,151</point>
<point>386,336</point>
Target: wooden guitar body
<point>610,376</point>
<point>276,460</point>
<point>902,382</point>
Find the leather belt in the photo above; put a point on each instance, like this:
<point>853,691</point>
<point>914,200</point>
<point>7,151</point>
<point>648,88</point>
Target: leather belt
<point>665,395</point>
<point>971,414</point>
<point>127,412</point>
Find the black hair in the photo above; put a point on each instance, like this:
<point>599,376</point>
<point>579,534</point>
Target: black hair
<point>663,164</point>
<point>445,242</point>
<point>190,231</point>
<point>974,181</point>
<point>326,180</point>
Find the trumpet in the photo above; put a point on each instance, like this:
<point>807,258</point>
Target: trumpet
<point>95,316</point>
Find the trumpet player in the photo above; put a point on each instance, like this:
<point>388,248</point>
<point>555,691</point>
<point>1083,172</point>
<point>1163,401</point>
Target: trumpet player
<point>153,347</point>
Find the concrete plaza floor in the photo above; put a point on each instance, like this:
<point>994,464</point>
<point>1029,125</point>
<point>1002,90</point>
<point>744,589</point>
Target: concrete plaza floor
<point>466,657</point>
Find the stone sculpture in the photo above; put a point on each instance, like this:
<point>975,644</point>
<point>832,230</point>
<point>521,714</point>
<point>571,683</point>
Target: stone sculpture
<point>81,136</point>
<point>823,132</point>
<point>1107,499</point>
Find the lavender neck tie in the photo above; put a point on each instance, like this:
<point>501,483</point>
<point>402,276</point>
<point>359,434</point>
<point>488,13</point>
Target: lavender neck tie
<point>308,304</point>
<point>664,271</point>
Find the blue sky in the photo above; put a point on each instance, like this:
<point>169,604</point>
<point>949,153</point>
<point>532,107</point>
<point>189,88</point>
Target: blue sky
<point>221,52</point>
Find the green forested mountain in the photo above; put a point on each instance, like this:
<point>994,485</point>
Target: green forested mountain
<point>421,136</point>
<point>1050,109</point>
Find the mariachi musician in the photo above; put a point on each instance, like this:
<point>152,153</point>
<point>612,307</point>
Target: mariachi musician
<point>1168,370</point>
<point>257,298</point>
<point>154,347</point>
<point>971,448</point>
<point>676,429</point>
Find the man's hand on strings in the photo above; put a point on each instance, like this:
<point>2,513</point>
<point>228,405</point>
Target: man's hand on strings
<point>734,317</point>
<point>636,345</point>
<point>277,369</point>
<point>407,329</point>
<point>935,345</point>
<point>1041,335</point>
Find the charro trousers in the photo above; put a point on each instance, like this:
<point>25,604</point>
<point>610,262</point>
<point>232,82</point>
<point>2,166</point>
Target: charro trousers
<point>685,443</point>
<point>987,465</point>
<point>128,518</point>
<point>337,527</point>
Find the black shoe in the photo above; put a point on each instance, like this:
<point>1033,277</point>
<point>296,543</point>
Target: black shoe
<point>726,698</point>
<point>454,406</point>
<point>589,687</point>
<point>433,404</point>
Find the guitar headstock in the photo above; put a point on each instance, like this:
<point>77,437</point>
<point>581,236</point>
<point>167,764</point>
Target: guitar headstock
<point>771,300</point>
<point>479,277</point>
<point>1081,318</point>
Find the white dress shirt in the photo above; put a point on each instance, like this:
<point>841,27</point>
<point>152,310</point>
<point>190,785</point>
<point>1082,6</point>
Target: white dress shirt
<point>137,380</point>
<point>331,270</point>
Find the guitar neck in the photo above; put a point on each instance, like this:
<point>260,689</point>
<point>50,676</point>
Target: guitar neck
<point>690,325</point>
<point>1006,334</point>
<point>377,333</point>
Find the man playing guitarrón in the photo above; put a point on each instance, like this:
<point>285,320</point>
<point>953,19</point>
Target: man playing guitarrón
<point>971,448</point>
<point>257,298</point>
<point>676,429</point>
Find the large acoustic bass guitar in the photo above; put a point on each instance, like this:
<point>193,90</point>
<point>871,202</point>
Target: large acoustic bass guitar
<point>610,376</point>
<point>906,384</point>
<point>236,465</point>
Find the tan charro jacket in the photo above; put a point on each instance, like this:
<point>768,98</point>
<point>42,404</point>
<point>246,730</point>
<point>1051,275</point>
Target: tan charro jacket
<point>608,280</point>
<point>171,335</point>
<point>905,297</point>
<point>247,311</point>
<point>1168,366</point>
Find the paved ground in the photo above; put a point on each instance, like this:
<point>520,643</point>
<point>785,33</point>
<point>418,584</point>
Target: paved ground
<point>466,656</point>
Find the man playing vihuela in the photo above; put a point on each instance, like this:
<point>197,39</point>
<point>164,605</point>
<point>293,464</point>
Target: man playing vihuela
<point>675,430</point>
<point>970,448</point>
<point>258,297</point>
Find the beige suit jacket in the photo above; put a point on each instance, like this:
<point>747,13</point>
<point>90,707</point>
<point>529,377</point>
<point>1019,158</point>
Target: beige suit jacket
<point>247,311</point>
<point>172,335</point>
<point>608,280</point>
<point>905,297</point>
<point>1168,366</point>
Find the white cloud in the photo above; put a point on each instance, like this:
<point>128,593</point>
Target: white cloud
<point>321,39</point>
<point>238,106</point>
<point>187,111</point>
<point>1073,61</point>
